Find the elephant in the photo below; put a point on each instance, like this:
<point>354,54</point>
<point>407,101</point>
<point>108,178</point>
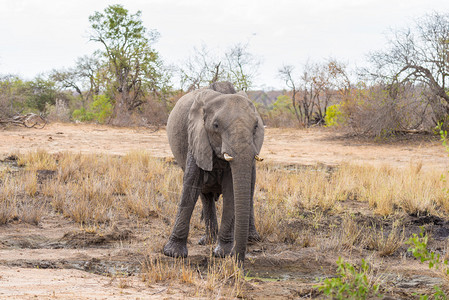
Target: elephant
<point>216,136</point>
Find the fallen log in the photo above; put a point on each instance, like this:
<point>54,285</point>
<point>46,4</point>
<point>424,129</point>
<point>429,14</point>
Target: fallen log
<point>30,120</point>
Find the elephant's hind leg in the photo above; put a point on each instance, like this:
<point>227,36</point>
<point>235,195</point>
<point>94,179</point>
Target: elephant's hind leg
<point>210,218</point>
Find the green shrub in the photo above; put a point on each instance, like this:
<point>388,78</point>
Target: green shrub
<point>351,283</point>
<point>280,113</point>
<point>334,116</point>
<point>82,115</point>
<point>99,110</point>
<point>418,247</point>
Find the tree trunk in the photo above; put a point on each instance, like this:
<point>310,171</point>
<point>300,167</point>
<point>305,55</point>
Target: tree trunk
<point>122,115</point>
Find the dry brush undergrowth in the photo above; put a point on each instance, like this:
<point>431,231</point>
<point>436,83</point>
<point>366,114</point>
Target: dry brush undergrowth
<point>295,206</point>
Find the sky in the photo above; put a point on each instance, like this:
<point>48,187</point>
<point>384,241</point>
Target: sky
<point>38,36</point>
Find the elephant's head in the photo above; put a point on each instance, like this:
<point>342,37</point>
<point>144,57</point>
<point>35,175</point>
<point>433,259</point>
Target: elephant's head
<point>228,126</point>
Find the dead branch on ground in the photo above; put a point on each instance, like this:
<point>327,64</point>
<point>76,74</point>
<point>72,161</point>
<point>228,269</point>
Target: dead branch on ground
<point>30,120</point>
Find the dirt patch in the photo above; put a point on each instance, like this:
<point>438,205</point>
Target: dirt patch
<point>82,239</point>
<point>288,146</point>
<point>100,263</point>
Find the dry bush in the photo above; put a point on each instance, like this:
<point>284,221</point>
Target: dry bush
<point>4,107</point>
<point>221,279</point>
<point>383,111</point>
<point>350,233</point>
<point>385,244</point>
<point>37,160</point>
<point>60,111</point>
<point>32,212</point>
<point>152,112</point>
<point>8,207</point>
<point>173,270</point>
<point>224,278</point>
<point>17,198</point>
<point>280,119</point>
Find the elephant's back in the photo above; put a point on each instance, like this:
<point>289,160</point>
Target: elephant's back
<point>177,125</point>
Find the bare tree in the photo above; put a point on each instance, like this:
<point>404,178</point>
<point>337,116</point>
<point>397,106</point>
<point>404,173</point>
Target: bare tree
<point>286,73</point>
<point>241,66</point>
<point>204,67</point>
<point>201,69</point>
<point>420,55</point>
<point>331,82</point>
<point>85,78</point>
<point>315,88</point>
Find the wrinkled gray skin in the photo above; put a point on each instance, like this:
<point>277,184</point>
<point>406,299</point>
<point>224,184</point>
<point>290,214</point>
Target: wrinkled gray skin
<point>202,126</point>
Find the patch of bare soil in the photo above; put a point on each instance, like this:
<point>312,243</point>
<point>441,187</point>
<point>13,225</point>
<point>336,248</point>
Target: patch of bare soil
<point>59,259</point>
<point>304,147</point>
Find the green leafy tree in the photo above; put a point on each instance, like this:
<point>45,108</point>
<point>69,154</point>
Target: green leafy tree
<point>12,95</point>
<point>131,60</point>
<point>40,92</point>
<point>18,96</point>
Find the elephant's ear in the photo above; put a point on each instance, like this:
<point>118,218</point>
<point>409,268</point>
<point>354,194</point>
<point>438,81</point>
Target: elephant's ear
<point>198,140</point>
<point>259,135</point>
<point>260,132</point>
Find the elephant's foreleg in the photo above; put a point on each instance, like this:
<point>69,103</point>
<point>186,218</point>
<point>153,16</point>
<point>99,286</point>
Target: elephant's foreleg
<point>226,232</point>
<point>253,235</point>
<point>210,218</point>
<point>191,188</point>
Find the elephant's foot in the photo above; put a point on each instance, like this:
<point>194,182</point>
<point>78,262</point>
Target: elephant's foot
<point>253,236</point>
<point>207,240</point>
<point>176,247</point>
<point>224,249</point>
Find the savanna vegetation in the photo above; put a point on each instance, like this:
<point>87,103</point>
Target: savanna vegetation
<point>349,231</point>
<point>125,82</point>
<point>351,211</point>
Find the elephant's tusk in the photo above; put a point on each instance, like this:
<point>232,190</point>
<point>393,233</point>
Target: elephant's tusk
<point>258,158</point>
<point>228,157</point>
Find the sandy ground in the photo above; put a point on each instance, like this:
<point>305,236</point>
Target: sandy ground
<point>29,283</point>
<point>36,261</point>
<point>281,145</point>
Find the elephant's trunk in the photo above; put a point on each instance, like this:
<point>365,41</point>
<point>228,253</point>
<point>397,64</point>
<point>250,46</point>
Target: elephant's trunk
<point>241,175</point>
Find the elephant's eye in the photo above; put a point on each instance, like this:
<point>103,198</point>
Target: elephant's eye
<point>255,128</point>
<point>215,125</point>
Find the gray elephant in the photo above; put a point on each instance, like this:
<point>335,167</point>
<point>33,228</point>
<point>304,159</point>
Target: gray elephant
<point>216,135</point>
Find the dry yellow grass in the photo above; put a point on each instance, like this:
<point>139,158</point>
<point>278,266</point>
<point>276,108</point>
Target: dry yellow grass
<point>222,278</point>
<point>177,270</point>
<point>386,244</point>
<point>98,188</point>
<point>385,189</point>
<point>101,189</point>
